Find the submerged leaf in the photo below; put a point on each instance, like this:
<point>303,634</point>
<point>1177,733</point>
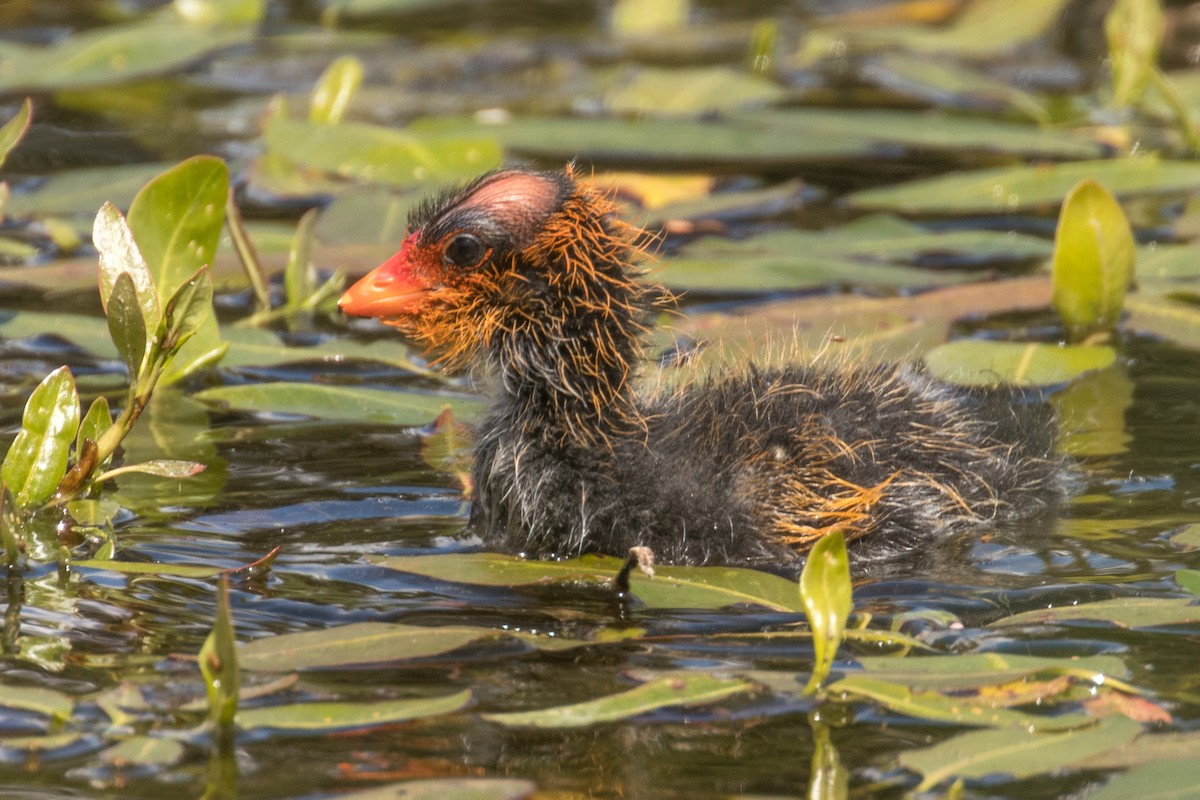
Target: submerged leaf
<point>1093,259</point>
<point>37,460</point>
<point>679,688</point>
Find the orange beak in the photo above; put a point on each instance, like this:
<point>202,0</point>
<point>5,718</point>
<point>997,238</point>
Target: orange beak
<point>390,290</point>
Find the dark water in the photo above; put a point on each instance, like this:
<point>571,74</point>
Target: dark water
<point>333,496</point>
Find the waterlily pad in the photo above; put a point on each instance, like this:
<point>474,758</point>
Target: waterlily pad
<point>671,587</point>
<point>1125,612</point>
<point>1015,752</point>
<point>1007,190</point>
<point>680,688</point>
<point>356,404</point>
<point>327,717</point>
<point>976,362</point>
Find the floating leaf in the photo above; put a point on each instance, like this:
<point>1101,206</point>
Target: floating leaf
<point>978,362</point>
<point>337,402</point>
<point>1016,753</point>
<point>680,688</point>
<point>1163,780</point>
<point>381,155</point>
<point>1134,30</point>
<point>825,593</point>
<point>671,587</point>
<point>37,460</point>
<point>1008,190</point>
<point>691,90</point>
<point>1124,612</point>
<point>1146,749</point>
<point>448,788</point>
<point>358,643</point>
<point>1188,580</point>
<point>144,751</point>
<point>160,467</point>
<point>956,672</point>
<point>938,707</point>
<point>1093,259</point>
<point>1158,316</point>
<point>326,717</point>
<point>38,700</point>
<point>334,91</point>
<point>82,191</point>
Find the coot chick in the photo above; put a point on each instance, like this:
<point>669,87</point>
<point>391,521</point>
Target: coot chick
<point>531,277</point>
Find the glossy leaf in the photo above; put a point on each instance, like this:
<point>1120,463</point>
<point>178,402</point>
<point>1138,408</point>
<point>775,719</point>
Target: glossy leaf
<point>1125,612</point>
<point>161,468</point>
<point>1007,190</point>
<point>679,688</point>
<point>970,671</point>
<point>336,402</point>
<point>1016,753</point>
<point>14,130</point>
<point>220,12</point>
<point>37,460</point>
<point>1093,259</point>
<point>176,220</point>
<point>119,254</point>
<point>328,717</point>
<point>938,707</point>
<point>144,751</point>
<point>219,663</point>
<point>334,91</point>
<point>826,594</point>
<point>96,421</point>
<point>978,362</point>
<point>671,587</point>
<point>126,325</point>
<point>188,309</point>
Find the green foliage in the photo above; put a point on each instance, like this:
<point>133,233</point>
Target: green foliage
<point>38,458</point>
<point>825,592</point>
<point>1094,255</point>
<point>219,664</point>
<point>976,362</point>
<point>1134,29</point>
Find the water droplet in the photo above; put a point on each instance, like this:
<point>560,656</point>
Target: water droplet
<point>1137,146</point>
<point>997,191</point>
<point>1014,200</point>
<point>1153,246</point>
<point>837,48</point>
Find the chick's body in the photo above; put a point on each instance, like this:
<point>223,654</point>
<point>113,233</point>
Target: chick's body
<point>531,277</point>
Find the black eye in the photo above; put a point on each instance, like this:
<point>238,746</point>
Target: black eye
<point>464,250</point>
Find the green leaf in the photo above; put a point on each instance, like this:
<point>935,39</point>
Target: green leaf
<point>677,689</point>
<point>126,325</point>
<point>37,460</point>
<point>1011,189</point>
<point>1164,780</point>
<point>96,421</point>
<point>978,362</point>
<point>337,402</point>
<point>219,663</point>
<point>1146,749</point>
<point>690,91</point>
<point>176,220</point>
<point>226,12</point>
<point>1016,753</point>
<point>188,309</point>
<point>1188,580</point>
<point>38,700</point>
<point>958,672</point>
<point>826,594</point>
<point>115,53</point>
<point>1134,30</point>
<point>1124,612</point>
<point>671,587</point>
<point>327,717</point>
<point>119,254</point>
<point>1158,316</point>
<point>82,191</point>
<point>937,707</point>
<point>448,788</point>
<point>1093,259</point>
<point>334,90</point>
<point>381,155</point>
<point>300,274</point>
<point>358,643</point>
<point>144,751</point>
<point>161,468</point>
<point>14,130</point>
